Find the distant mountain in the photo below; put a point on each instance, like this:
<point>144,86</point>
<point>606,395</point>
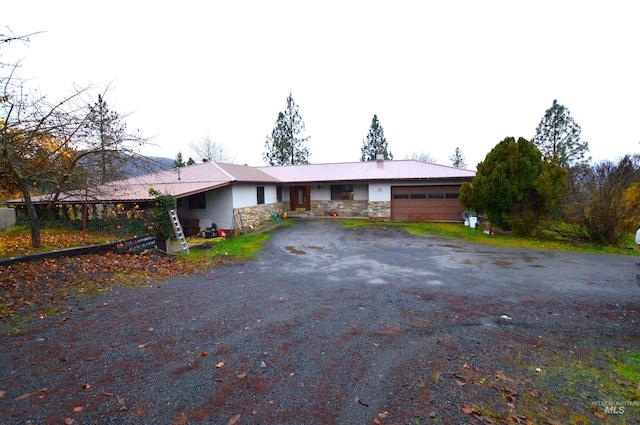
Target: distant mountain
<point>146,165</point>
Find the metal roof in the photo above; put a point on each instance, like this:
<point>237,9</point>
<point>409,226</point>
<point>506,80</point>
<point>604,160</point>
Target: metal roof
<point>185,181</point>
<point>367,171</point>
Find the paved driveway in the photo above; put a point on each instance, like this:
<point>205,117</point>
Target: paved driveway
<point>326,252</point>
<point>338,326</point>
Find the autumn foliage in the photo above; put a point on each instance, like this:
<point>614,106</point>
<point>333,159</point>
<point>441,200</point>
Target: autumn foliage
<point>44,288</point>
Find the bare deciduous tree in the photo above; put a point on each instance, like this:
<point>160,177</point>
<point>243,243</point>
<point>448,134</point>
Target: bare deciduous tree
<point>207,149</point>
<point>46,145</point>
<point>422,156</point>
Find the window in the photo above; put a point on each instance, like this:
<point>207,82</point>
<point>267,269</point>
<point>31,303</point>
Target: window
<point>436,196</point>
<point>279,193</point>
<point>418,196</point>
<point>197,201</point>
<point>260,195</point>
<point>401,196</point>
<point>452,195</point>
<point>341,192</point>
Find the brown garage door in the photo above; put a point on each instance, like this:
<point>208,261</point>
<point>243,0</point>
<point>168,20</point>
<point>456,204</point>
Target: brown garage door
<point>421,203</point>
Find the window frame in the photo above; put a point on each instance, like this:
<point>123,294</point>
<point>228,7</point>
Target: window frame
<point>342,192</point>
<point>260,195</point>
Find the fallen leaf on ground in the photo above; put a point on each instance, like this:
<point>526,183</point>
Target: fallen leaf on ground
<point>121,403</point>
<point>242,375</point>
<point>23,396</point>
<point>470,411</point>
<point>86,386</point>
<point>383,414</point>
<point>234,420</point>
<point>69,421</point>
<point>263,364</point>
<point>78,409</point>
<point>2,393</point>
<point>219,365</point>
<point>203,353</point>
<point>362,402</point>
<point>142,345</point>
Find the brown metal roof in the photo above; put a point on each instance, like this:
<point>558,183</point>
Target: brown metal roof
<point>244,173</point>
<point>366,171</point>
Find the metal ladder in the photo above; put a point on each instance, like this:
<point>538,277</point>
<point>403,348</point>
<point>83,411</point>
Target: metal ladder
<point>177,229</point>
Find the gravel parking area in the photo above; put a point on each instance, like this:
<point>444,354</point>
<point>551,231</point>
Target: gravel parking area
<point>332,325</point>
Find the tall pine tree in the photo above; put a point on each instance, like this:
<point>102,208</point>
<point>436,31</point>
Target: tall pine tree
<point>375,142</point>
<point>457,159</point>
<point>558,137</point>
<point>106,129</point>
<point>285,146</point>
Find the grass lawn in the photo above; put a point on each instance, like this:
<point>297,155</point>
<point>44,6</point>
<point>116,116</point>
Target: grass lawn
<point>464,233</point>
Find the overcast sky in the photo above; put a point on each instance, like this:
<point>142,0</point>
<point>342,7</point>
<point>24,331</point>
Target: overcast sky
<point>439,74</point>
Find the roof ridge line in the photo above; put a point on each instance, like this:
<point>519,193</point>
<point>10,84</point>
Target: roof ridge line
<point>223,171</point>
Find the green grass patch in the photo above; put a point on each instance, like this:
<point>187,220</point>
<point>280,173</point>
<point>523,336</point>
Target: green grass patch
<point>458,231</point>
<point>628,367</point>
<point>599,376</point>
<point>242,247</point>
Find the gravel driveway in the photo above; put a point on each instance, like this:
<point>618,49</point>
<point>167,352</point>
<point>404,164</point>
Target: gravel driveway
<point>342,326</point>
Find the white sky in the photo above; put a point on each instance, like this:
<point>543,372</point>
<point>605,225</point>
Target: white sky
<point>439,74</point>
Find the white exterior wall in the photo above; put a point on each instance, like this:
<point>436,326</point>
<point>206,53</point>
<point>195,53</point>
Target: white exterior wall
<point>270,194</point>
<point>360,192</point>
<point>247,195</point>
<point>219,203</point>
<point>218,209</point>
<point>320,192</point>
<point>379,192</point>
<point>244,196</point>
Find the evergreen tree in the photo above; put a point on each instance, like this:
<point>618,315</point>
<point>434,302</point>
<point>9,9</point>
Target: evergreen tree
<point>107,130</point>
<point>374,143</point>
<point>514,187</point>
<point>285,146</point>
<point>178,162</point>
<point>457,160</point>
<point>558,137</point>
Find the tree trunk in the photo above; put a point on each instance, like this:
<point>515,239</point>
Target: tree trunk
<point>34,220</point>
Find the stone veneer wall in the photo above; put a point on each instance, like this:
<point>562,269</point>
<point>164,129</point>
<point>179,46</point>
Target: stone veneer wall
<point>379,210</point>
<point>258,214</point>
<point>345,208</point>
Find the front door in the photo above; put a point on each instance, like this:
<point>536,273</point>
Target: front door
<point>300,199</point>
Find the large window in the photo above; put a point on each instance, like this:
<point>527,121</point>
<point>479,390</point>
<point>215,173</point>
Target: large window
<point>197,201</point>
<point>279,193</point>
<point>260,195</point>
<point>341,192</point>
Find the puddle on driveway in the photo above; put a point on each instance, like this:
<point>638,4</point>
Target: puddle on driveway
<point>503,263</point>
<point>294,250</point>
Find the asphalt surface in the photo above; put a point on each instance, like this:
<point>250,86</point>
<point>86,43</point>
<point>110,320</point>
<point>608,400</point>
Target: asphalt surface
<point>329,325</point>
